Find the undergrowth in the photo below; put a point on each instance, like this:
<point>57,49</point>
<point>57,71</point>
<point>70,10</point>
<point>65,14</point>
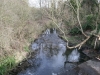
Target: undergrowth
<point>6,64</point>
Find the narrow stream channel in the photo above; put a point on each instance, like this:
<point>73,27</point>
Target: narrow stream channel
<point>50,58</point>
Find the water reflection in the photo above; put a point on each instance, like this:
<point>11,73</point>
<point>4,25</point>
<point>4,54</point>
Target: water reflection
<point>49,58</point>
<point>74,56</point>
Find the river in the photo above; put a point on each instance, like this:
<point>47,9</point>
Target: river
<point>50,57</point>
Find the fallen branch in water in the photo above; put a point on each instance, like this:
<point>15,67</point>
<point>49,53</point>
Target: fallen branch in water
<point>80,44</point>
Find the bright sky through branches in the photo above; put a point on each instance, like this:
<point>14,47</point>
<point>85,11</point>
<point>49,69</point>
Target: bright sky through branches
<point>35,3</point>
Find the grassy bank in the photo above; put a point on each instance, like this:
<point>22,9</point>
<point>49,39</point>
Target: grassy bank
<point>18,28</point>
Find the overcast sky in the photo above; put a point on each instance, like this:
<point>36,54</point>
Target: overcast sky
<point>35,3</point>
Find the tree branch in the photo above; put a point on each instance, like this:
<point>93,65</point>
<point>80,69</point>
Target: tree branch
<point>80,44</point>
<point>78,19</point>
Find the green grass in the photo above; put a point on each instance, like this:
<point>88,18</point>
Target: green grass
<point>26,48</point>
<point>6,64</point>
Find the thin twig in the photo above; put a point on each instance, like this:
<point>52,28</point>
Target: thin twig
<point>95,43</point>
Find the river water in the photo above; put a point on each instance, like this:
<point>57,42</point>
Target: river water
<point>50,58</point>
